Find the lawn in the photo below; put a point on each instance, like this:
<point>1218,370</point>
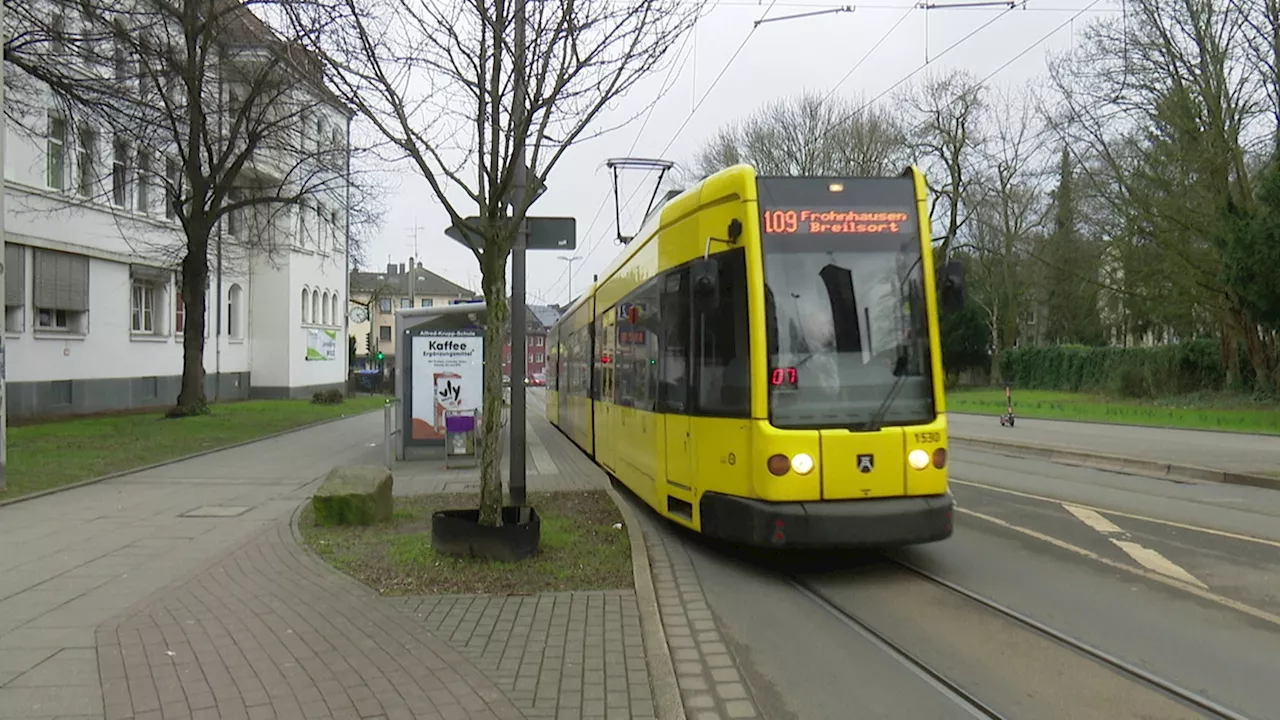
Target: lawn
<point>1200,413</point>
<point>57,453</point>
<point>580,550</point>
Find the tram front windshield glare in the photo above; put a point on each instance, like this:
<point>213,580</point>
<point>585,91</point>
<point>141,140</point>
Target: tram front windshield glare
<point>847,328</point>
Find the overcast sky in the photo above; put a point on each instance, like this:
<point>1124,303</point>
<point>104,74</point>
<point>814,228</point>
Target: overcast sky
<point>779,59</point>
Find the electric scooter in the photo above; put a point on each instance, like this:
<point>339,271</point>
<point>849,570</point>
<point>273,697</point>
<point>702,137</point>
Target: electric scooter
<point>1006,420</point>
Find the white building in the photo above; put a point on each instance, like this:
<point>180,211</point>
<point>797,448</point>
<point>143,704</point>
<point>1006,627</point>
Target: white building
<point>93,317</point>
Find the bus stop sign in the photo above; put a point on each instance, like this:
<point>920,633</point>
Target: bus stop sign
<point>545,233</point>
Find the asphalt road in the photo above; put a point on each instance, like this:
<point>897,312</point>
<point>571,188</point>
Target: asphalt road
<point>1236,452</point>
<point>1181,580</point>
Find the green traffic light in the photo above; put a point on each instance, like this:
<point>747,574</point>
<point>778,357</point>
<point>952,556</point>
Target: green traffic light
<point>379,354</point>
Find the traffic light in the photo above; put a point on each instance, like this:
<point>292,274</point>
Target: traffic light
<point>380,356</point>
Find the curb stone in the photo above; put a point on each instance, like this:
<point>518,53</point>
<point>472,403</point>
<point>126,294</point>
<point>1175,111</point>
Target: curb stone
<point>174,461</point>
<point>1173,472</point>
<point>667,701</point>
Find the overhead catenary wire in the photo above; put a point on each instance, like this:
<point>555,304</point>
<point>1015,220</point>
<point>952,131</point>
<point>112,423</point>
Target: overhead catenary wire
<point>688,117</point>
<point>1076,14</point>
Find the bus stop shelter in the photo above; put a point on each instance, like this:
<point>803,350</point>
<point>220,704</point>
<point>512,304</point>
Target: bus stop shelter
<point>439,365</point>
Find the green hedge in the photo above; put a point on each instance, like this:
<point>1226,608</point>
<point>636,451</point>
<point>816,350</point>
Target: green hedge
<point>1126,372</point>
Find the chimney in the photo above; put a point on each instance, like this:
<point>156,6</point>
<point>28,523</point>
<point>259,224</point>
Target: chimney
<point>391,268</point>
<point>401,268</point>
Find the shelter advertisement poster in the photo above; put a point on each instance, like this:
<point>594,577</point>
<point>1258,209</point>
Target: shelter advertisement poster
<point>322,344</point>
<point>448,374</point>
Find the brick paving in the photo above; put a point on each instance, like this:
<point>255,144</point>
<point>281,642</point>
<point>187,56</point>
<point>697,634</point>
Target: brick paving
<point>568,656</point>
<point>270,632</point>
<point>711,685</point>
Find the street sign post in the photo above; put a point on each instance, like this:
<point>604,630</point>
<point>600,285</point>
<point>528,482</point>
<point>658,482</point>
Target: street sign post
<point>538,233</point>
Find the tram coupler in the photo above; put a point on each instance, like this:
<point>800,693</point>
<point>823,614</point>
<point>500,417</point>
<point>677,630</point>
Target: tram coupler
<point>1006,420</point>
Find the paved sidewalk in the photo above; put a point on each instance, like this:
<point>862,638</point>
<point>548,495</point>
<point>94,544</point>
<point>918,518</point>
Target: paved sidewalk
<point>711,686</point>
<point>1233,452</point>
<point>98,585</point>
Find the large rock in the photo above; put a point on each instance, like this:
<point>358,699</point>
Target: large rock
<point>354,495</point>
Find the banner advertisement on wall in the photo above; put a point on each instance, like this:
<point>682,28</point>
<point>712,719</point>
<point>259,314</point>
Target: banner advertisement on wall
<point>322,344</point>
<point>448,374</point>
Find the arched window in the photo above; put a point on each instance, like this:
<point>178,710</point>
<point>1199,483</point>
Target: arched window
<point>337,319</point>
<point>306,305</point>
<point>324,306</point>
<point>315,306</point>
<point>235,311</point>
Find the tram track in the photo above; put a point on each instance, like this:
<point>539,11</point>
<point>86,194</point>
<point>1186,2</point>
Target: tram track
<point>954,690</point>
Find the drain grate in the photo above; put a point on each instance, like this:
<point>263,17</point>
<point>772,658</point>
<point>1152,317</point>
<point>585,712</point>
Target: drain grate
<point>217,511</point>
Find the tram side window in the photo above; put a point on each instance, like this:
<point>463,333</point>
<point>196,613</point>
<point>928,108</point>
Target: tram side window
<point>597,368</point>
<point>673,350</point>
<point>721,344</point>
<point>635,361</point>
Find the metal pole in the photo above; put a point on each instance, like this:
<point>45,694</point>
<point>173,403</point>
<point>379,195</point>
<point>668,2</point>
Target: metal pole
<point>4,390</point>
<point>388,426</point>
<point>518,350</point>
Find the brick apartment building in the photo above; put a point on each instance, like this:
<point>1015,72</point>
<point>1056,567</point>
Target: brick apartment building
<point>539,319</point>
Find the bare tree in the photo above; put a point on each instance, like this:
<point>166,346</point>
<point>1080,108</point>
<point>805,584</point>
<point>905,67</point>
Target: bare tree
<point>457,92</point>
<point>205,113</point>
<point>1005,194</point>
<point>949,132</point>
<point>810,134</point>
<point>1169,113</point>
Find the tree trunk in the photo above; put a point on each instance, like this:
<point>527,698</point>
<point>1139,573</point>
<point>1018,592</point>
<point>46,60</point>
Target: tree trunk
<point>497,317</point>
<point>195,276</point>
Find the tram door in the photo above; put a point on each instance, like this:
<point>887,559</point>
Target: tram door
<point>675,380</point>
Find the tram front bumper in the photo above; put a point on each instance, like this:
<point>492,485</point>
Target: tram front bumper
<point>878,522</point>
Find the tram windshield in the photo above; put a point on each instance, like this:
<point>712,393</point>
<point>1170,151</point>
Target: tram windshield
<point>844,303</point>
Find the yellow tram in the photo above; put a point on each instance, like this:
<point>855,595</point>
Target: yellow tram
<point>762,363</point>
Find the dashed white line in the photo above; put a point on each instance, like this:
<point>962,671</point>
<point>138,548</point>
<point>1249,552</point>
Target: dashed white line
<point>1094,520</point>
<point>1141,572</point>
<point>1148,558</point>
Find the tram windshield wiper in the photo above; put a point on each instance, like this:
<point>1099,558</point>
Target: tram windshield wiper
<point>899,377</point>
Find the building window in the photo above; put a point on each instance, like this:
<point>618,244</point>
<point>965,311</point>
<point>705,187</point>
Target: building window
<point>406,302</point>
<point>15,287</point>
<point>148,287</point>
<point>55,149</point>
<point>58,34</point>
<point>235,301</point>
<point>120,174</point>
<point>179,314</point>
<point>233,216</point>
<point>121,60</point>
<point>172,171</point>
<point>324,307</point>
<point>426,302</point>
<point>306,305</point>
<point>143,307</point>
<point>144,181</point>
<point>334,309</point>
<point>315,306</point>
<point>384,333</point>
<point>384,305</point>
<point>88,160</point>
<point>60,291</point>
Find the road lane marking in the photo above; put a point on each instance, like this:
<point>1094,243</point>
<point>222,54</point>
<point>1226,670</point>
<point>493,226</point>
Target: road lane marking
<point>1140,572</point>
<point>1093,519</point>
<point>1121,513</point>
<point>1148,558</point>
<point>1157,562</point>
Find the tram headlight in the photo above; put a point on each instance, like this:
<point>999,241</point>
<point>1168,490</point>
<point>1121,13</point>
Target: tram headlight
<point>918,459</point>
<point>802,463</point>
